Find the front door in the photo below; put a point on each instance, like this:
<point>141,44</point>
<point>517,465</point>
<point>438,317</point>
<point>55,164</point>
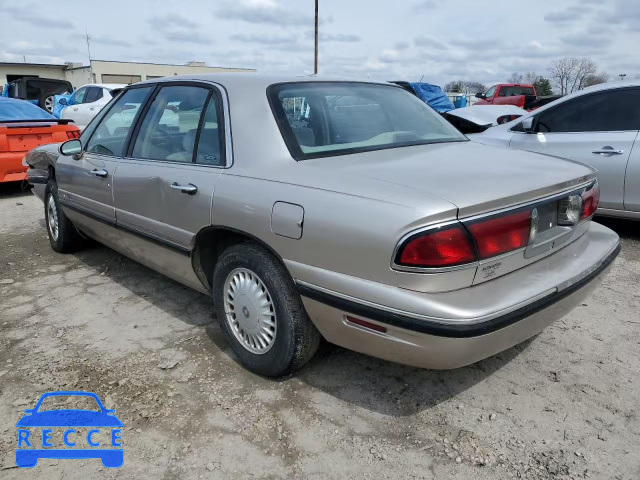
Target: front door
<point>164,189</point>
<point>85,182</point>
<point>597,129</point>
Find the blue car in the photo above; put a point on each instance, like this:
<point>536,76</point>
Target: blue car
<point>68,418</point>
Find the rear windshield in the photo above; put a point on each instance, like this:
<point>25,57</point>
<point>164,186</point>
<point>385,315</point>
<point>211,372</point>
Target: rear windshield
<point>320,119</point>
<point>511,91</point>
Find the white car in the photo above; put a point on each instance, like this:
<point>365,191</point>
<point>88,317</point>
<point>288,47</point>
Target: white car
<point>87,101</point>
<point>597,126</point>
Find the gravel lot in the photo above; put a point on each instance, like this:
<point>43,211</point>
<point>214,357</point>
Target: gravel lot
<point>563,405</point>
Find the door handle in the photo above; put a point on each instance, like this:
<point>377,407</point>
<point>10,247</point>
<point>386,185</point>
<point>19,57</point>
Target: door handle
<point>91,109</point>
<point>188,189</point>
<point>608,151</point>
<point>100,173</point>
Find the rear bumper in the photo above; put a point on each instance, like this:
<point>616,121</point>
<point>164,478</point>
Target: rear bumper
<point>11,168</point>
<point>444,343</point>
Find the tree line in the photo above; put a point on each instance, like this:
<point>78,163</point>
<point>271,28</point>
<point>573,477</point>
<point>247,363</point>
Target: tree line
<point>566,75</point>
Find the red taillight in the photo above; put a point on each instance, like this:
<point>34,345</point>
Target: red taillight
<point>439,248</point>
<point>501,235</point>
<point>72,134</point>
<point>590,200</point>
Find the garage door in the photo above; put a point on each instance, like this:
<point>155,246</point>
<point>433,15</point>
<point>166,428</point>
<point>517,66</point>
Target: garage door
<point>128,79</point>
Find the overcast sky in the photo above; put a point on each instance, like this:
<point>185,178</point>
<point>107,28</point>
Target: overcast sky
<point>401,39</point>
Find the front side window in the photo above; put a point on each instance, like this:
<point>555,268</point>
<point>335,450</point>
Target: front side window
<point>169,129</point>
<point>80,95</point>
<point>490,92</point>
<point>94,94</point>
<point>612,111</point>
<point>319,119</point>
<point>110,135</point>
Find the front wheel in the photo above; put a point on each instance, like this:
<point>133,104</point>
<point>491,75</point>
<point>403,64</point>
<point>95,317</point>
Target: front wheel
<point>260,312</point>
<point>63,236</point>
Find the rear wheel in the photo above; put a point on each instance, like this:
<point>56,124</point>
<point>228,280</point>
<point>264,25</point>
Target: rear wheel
<point>63,236</point>
<point>260,312</point>
<point>46,102</point>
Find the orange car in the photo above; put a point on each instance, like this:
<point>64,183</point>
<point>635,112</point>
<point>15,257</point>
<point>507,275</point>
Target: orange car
<point>24,126</point>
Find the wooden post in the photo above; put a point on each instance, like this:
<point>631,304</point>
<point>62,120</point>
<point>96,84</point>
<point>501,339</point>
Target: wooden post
<point>315,63</point>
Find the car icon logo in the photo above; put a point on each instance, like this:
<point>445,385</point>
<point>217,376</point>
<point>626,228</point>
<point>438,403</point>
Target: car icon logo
<point>40,428</point>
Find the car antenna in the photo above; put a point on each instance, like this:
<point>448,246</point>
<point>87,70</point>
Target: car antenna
<point>422,77</point>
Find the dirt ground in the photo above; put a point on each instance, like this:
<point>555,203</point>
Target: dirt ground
<point>562,405</point>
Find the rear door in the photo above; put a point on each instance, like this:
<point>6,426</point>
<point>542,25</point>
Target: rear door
<point>632,180</point>
<point>164,188</point>
<point>85,182</point>
<point>597,129</point>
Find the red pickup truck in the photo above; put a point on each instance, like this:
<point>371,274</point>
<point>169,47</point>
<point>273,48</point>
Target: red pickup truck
<point>509,94</point>
<point>523,96</point>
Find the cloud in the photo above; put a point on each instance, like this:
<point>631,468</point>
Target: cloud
<point>177,28</point>
<point>334,37</point>
<point>587,40</point>
<point>430,42</point>
<point>171,21</point>
<point>105,40</point>
<point>570,14</point>
<point>32,15</point>
<point>264,39</point>
<point>262,12</point>
<point>425,6</point>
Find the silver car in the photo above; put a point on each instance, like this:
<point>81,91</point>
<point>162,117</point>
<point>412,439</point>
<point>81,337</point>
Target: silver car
<point>312,208</point>
<point>597,126</point>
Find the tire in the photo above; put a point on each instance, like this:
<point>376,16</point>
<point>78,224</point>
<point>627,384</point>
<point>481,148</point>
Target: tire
<point>46,101</point>
<point>253,276</point>
<point>63,236</point>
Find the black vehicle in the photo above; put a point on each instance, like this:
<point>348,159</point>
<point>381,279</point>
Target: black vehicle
<point>39,91</point>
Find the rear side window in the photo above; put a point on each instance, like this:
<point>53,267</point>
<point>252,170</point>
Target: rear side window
<point>612,111</point>
<point>94,93</point>
<point>211,140</point>
<point>513,91</point>
<point>111,133</point>
<point>169,129</point>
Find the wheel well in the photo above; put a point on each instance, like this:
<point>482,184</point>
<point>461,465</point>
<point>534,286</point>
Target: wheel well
<point>211,242</point>
<point>52,172</point>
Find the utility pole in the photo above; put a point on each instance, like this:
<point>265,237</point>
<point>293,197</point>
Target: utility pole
<point>88,45</point>
<point>622,75</point>
<point>315,63</point>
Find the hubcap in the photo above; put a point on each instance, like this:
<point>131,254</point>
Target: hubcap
<point>48,104</point>
<point>250,311</point>
<point>52,217</point>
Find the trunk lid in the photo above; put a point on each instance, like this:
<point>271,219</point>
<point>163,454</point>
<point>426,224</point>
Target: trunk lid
<point>475,178</point>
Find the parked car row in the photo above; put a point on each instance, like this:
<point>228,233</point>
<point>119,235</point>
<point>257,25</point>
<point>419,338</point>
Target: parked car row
<point>323,208</point>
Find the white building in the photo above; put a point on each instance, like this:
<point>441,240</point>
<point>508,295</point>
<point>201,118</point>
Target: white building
<point>105,71</point>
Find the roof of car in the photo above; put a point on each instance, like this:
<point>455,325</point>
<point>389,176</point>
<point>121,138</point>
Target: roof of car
<point>110,86</point>
<point>612,85</point>
<point>257,80</point>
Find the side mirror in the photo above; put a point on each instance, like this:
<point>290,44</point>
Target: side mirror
<point>480,95</point>
<point>71,147</point>
<point>527,125</point>
<point>63,101</point>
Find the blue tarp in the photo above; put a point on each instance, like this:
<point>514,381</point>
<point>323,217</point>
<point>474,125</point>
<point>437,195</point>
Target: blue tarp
<point>14,109</point>
<point>433,96</point>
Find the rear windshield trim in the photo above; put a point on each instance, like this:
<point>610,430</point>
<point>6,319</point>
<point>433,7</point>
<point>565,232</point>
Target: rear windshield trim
<point>292,144</point>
